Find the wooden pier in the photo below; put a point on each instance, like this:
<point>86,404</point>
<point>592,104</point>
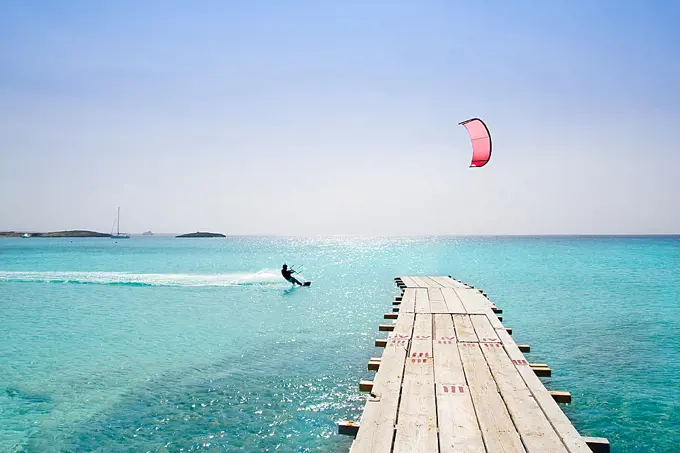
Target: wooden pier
<point>451,379</point>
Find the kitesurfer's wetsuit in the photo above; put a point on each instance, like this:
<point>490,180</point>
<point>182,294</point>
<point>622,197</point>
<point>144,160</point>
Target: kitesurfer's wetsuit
<point>288,275</point>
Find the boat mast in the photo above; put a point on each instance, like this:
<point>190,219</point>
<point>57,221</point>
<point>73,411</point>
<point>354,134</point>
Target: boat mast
<point>118,226</point>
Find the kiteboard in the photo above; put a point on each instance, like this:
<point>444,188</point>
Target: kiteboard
<point>302,280</point>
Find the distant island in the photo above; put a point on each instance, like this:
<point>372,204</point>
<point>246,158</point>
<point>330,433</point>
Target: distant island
<point>56,234</point>
<point>200,234</point>
<point>147,233</point>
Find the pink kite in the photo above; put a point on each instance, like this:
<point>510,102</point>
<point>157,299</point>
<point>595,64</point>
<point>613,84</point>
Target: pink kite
<point>481,141</point>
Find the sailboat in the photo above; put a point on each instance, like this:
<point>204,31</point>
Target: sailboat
<point>118,235</point>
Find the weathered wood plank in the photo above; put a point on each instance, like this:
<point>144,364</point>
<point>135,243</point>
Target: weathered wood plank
<point>457,283</point>
<point>562,425</point>
<point>422,301</point>
<point>535,430</point>
<point>464,328</point>
<point>437,302</point>
<point>458,427</point>
<point>473,300</point>
<point>419,360</point>
<point>433,282</point>
<point>408,301</point>
<point>400,337</point>
<point>446,282</point>
<point>420,282</point>
<point>417,419</point>
<point>377,426</point>
<point>496,425</point>
<point>408,281</point>
<point>483,328</point>
<point>380,412</point>
<point>453,302</point>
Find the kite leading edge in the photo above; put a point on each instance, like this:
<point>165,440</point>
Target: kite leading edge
<point>481,141</point>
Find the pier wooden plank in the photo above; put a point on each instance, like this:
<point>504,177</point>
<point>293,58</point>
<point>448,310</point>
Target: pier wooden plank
<point>465,331</point>
<point>420,282</point>
<point>419,360</point>
<point>422,301</point>
<point>417,419</point>
<point>446,282</point>
<point>535,430</point>
<point>496,425</point>
<point>453,302</point>
<point>401,335</point>
<point>473,300</point>
<point>433,282</point>
<point>458,427</point>
<point>380,413</point>
<point>408,282</point>
<point>408,301</point>
<point>564,428</point>
<point>451,379</point>
<point>437,302</point>
<point>457,283</point>
<point>377,427</point>
<point>494,320</point>
<point>483,328</point>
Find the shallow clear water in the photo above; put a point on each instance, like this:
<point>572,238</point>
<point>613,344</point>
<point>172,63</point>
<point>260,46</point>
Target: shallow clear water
<point>163,344</point>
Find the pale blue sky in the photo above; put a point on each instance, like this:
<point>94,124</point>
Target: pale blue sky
<point>292,117</point>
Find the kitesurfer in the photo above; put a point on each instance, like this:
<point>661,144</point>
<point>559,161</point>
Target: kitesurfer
<point>288,275</point>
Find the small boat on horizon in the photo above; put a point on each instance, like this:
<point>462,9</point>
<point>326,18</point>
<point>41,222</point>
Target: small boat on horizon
<point>117,225</point>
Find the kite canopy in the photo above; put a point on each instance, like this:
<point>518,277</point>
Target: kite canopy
<point>481,141</point>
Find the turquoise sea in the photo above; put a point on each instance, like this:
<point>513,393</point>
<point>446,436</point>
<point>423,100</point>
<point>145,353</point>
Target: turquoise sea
<point>164,345</point>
